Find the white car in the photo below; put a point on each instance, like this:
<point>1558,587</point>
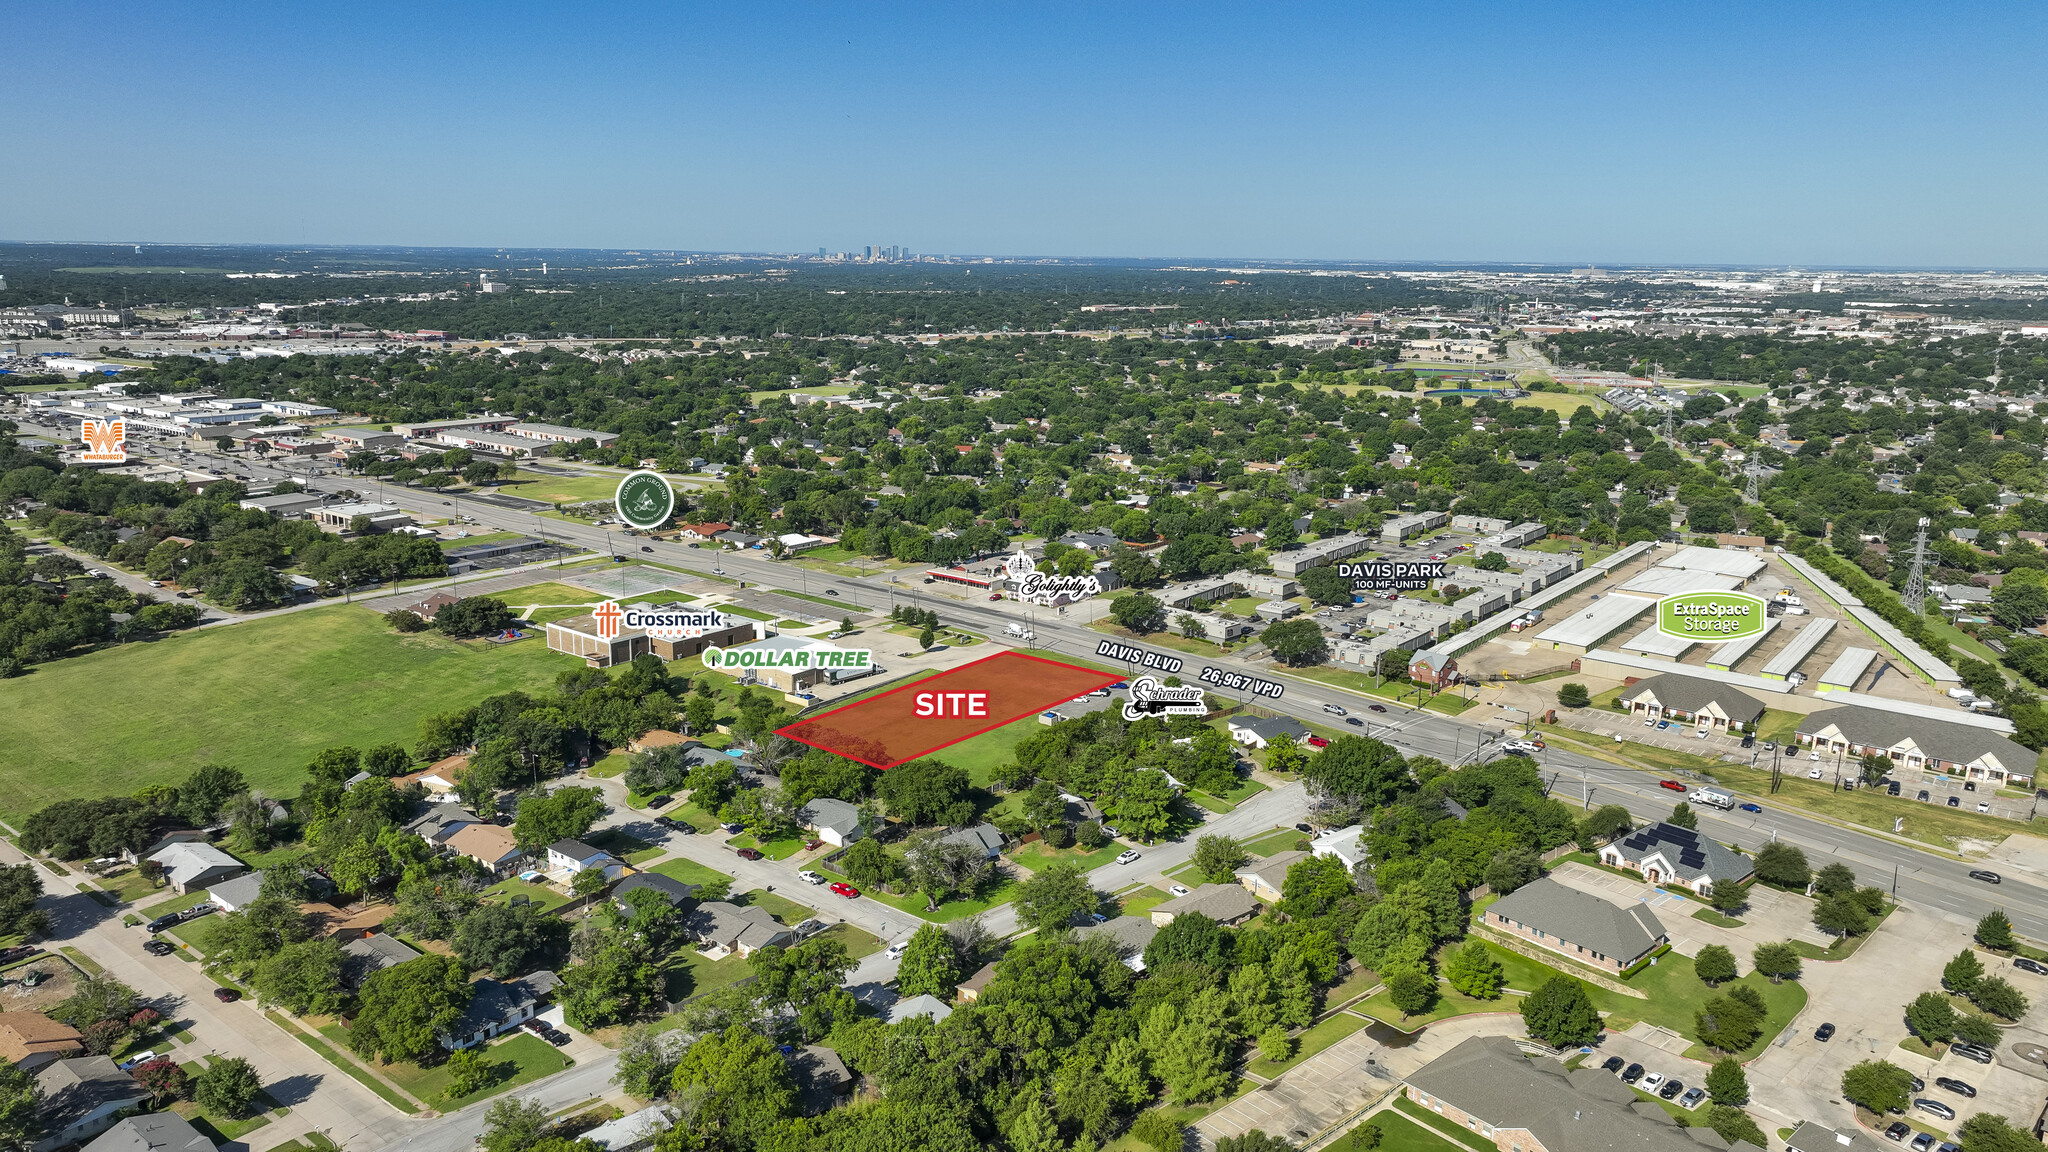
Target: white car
<point>1813,755</point>
<point>1649,1083</point>
<point>1178,889</point>
<point>1814,774</point>
<point>137,1061</point>
<point>810,877</point>
<point>897,949</point>
<point>1128,857</point>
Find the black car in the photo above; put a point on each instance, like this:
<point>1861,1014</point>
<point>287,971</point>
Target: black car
<point>163,922</point>
<point>1898,1131</point>
<point>159,948</point>
<point>1968,1051</point>
<point>1377,707</point>
<point>1670,1089</point>
<point>1354,721</point>
<point>1986,876</point>
<point>1632,1073</point>
<point>1824,1033</point>
<point>831,591</point>
<point>645,548</point>
<point>558,1038</point>
<point>685,829</point>
<point>659,801</point>
<point>2028,964</point>
<point>1950,1084</point>
<point>1613,1064</point>
<point>1303,828</point>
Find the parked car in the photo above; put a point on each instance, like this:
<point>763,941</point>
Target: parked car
<point>1769,746</point>
<point>1814,774</point>
<point>1898,1130</point>
<point>1304,829</point>
<point>1824,1033</point>
<point>558,1037</point>
<point>658,801</point>
<point>1955,801</point>
<point>1671,1089</point>
<point>1922,797</point>
<point>537,1026</point>
<point>1632,1073</point>
<point>1613,1064</point>
<point>810,877</point>
<point>813,845</point>
<point>1128,856</point>
<point>1935,1108</point>
<point>1751,807</point>
<point>846,890</point>
<point>1178,889</point>
<point>1922,1142</point>
<point>2029,964</point>
<point>226,995</point>
<point>1951,1084</point>
<point>1968,1051</point>
<point>137,1060</point>
<point>1673,785</point>
<point>897,949</point>
<point>1692,1097</point>
<point>750,854</point>
<point>1651,1081</point>
<point>1986,875</point>
<point>159,948</point>
<point>1318,742</point>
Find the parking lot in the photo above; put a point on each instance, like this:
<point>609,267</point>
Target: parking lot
<point>1771,915</point>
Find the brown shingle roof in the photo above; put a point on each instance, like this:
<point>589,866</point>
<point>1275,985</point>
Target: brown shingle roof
<point>25,1034</point>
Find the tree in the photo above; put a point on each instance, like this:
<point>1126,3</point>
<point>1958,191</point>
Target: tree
<point>1683,816</point>
<point>1491,562</point>
<point>1835,880</point>
<point>1780,962</point>
<point>206,791</point>
<point>868,864</point>
<point>1728,897</point>
<point>1559,1013</point>
<point>1284,755</point>
<point>1326,586</point>
<point>20,1101</point>
<point>1043,806</point>
<point>1714,964</point>
<point>1411,988</point>
<point>1962,973</point>
<point>1932,1017</point>
<point>1370,772</point>
<point>617,985</point>
<point>1782,864</point>
<point>20,887</point>
<point>468,1072</point>
<point>927,638</point>
<point>926,792</point>
<point>1364,1138</point>
<point>1727,1083</point>
<point>1994,931</point>
<point>1729,1023</point>
<point>1140,612</point>
<point>743,1084</point>
<point>1190,938</point>
<point>930,966</point>
<point>164,1079</point>
<point>508,939</point>
<point>1194,1060</point>
<point>1996,995</point>
<point>1511,868</point>
<point>1879,1086</point>
<point>1573,696</point>
<point>1034,1129</point>
<point>406,620</point>
<point>1474,971</point>
<point>938,867</point>
<point>647,1059</point>
<point>563,814</point>
<point>304,978</point>
<point>474,616</point>
<point>228,1087</point>
<point>1056,896</point>
<point>1841,915</point>
<point>1218,858</point>
<point>515,1124</point>
<point>1296,643</point>
<point>403,1010</point>
<point>1275,1044</point>
<point>1991,1132</point>
<point>1191,626</point>
<point>1735,1126</point>
<point>1156,1128</point>
<point>1980,1030</point>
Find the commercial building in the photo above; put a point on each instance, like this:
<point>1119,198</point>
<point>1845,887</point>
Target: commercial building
<point>1584,630</point>
<point>578,636</point>
<point>1705,703</point>
<point>1668,854</point>
<point>363,439</point>
<point>341,517</point>
<point>1847,669</point>
<point>1915,742</point>
<point>1795,652</point>
<point>1721,561</point>
<point>290,506</point>
<point>557,434</point>
<point>498,443</point>
<point>1578,924</point>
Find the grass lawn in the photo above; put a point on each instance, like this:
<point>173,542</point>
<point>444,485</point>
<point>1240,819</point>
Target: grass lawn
<point>628,848</point>
<point>1171,640</point>
<point>689,871</point>
<point>689,974</point>
<point>857,942</point>
<point>215,694</point>
<point>791,624</point>
<point>612,765</point>
<point>956,908</point>
<point>132,887</point>
<point>198,933</point>
<point>1309,1043</point>
<point>1037,856</point>
<point>1273,843</point>
<point>773,849</point>
<point>1400,1134</point>
<point>1715,918</point>
<point>1140,900</point>
<point>519,1060</point>
<point>1448,704</point>
<point>1779,726</point>
<point>1350,987</point>
<point>561,489</point>
<point>540,894</point>
<point>219,1128</point>
<point>1843,948</point>
<point>787,911</point>
<point>550,615</point>
<point>1430,1126</point>
<point>547,592</point>
<point>310,1142</point>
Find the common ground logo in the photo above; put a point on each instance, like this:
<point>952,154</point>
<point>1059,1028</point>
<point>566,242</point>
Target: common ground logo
<point>660,624</point>
<point>105,442</point>
<point>644,500</point>
<point>1045,587</point>
<point>1712,617</point>
<point>1151,698</point>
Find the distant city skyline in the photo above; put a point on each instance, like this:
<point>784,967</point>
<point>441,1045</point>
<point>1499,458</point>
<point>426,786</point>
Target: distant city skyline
<point>1823,136</point>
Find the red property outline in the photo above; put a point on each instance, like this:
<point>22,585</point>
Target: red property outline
<point>788,730</point>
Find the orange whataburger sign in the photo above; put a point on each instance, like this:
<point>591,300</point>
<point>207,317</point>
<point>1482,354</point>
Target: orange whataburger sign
<point>105,441</point>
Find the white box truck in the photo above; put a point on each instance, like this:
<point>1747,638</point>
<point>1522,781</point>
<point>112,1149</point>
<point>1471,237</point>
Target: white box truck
<point>1713,797</point>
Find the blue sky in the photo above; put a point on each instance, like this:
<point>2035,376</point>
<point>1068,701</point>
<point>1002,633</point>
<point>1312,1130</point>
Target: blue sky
<point>1812,134</point>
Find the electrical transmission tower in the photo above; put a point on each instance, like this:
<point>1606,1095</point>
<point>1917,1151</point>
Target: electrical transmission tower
<point>1916,579</point>
<point>1670,426</point>
<point>1749,489</point>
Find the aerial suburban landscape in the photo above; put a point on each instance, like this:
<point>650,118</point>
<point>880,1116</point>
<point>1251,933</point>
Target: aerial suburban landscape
<point>495,664</point>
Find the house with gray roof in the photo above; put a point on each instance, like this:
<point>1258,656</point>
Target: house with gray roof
<point>1266,878</point>
<point>634,1130</point>
<point>984,838</point>
<point>238,893</point>
<point>1131,934</point>
<point>193,865</point>
<point>1486,1085</point>
<point>740,928</point>
<point>1259,731</point>
<point>1578,924</point>
<point>370,953</point>
<point>820,1076</point>
<point>833,820</point>
<point>153,1132</point>
<point>82,1096</point>
<point>921,1004</point>
<point>440,821</point>
<point>1919,743</point>
<point>1223,903</point>
<point>499,1006</point>
<point>672,890</point>
<point>1704,703</point>
<point>1668,854</point>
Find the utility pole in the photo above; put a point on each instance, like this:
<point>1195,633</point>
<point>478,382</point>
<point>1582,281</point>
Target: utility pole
<point>1916,578</point>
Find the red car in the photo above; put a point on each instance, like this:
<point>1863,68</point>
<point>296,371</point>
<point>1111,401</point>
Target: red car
<point>1318,742</point>
<point>846,890</point>
<point>750,853</point>
<point>813,845</point>
<point>1674,785</point>
<point>226,995</point>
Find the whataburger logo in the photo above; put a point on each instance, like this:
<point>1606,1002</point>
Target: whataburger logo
<point>612,619</point>
<point>105,442</point>
<point>1711,617</point>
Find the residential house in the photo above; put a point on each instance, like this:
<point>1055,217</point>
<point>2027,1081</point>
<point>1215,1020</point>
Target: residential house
<point>371,953</point>
<point>82,1097</point>
<point>1918,743</point>
<point>985,838</point>
<point>153,1132</point>
<point>834,821</point>
<point>920,1005</point>
<point>238,893</point>
<point>1265,878</point>
<point>671,889</point>
<point>489,845</point>
<point>29,1040</point>
<point>702,531</point>
<point>439,778</point>
<point>432,605</point>
<point>1226,904</point>
<point>634,1130</point>
<point>1259,732</point>
<point>1485,1085</point>
<point>1704,703</point>
<point>971,988</point>
<point>572,856</point>
<point>181,836</point>
<point>820,1077</point>
<point>441,821</point>
<point>1131,935</point>
<point>1668,854</point>
<point>193,865</point>
<point>723,928</point>
<point>1346,844</point>
<point>1578,924</point>
<point>499,1006</point>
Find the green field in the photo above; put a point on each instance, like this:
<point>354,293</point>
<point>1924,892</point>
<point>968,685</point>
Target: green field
<point>561,489</point>
<point>262,697</point>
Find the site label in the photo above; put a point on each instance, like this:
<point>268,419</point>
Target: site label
<point>1239,682</point>
<point>1130,654</point>
<point>1392,575</point>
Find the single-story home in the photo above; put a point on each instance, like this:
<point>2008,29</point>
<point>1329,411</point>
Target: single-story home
<point>971,988</point>
<point>152,1132</point>
<point>1224,903</point>
<point>833,820</point>
<point>1578,924</point>
<point>986,838</point>
<point>29,1040</point>
<point>1346,844</point>
<point>1668,854</point>
<point>820,1076</point>
<point>82,1097</point>
<point>181,836</point>
<point>499,1006</point>
<point>1265,878</point>
<point>634,1130</point>
<point>489,845</point>
<point>1918,743</point>
<point>371,953</point>
<point>438,778</point>
<point>193,865</point>
<point>737,928</point>
<point>440,821</point>
<point>238,893</point>
<point>1705,703</point>
<point>1131,934</point>
<point>671,889</point>
<point>919,1005</point>
<point>1258,732</point>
